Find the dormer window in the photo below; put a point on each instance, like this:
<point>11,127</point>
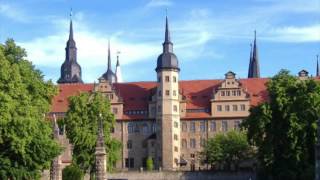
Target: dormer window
<point>223,93</point>
<point>228,93</point>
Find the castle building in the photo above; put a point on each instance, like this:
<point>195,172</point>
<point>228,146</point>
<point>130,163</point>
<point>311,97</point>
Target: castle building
<point>168,119</point>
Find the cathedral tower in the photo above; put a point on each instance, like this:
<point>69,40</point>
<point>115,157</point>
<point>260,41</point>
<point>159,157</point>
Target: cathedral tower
<point>254,69</point>
<point>168,116</point>
<point>70,69</point>
<point>109,75</point>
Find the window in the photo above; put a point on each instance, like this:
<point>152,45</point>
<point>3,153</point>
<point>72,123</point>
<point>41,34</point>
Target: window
<point>159,108</point>
<point>192,127</point>
<point>223,93</point>
<point>224,126</point>
<point>234,93</point>
<point>153,110</point>
<point>184,143</point>
<point>167,79</point>
<point>159,93</point>
<point>174,93</point>
<point>159,79</point>
<point>243,107</point>
<point>184,127</point>
<point>235,107</point>
<point>115,110</point>
<point>144,162</point>
<point>219,108</point>
<point>175,108</point>
<point>136,128</point>
<point>175,137</point>
<point>227,107</point>
<point>167,92</point>
<point>176,149</point>
<point>129,162</point>
<point>228,93</point>
<point>129,144</point>
<point>174,79</point>
<point>130,128</point>
<point>192,155</point>
<point>213,126</point>
<point>154,127</point>
<point>239,93</point>
<point>236,125</point>
<point>176,124</point>
<point>202,142</point>
<point>145,129</point>
<point>203,126</point>
<point>192,143</point>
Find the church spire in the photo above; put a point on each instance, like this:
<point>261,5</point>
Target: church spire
<point>254,69</point>
<point>167,60</point>
<point>250,61</point>
<point>70,69</point>
<point>167,44</point>
<point>109,75</point>
<point>118,70</point>
<point>71,27</point>
<point>318,69</point>
<point>109,56</point>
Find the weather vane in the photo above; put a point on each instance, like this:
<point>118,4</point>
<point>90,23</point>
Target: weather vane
<point>70,13</point>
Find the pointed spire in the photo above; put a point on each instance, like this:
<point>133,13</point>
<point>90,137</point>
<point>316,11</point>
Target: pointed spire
<point>167,44</point>
<point>167,38</point>
<point>118,63</point>
<point>118,70</point>
<point>71,27</point>
<point>250,62</point>
<point>318,68</point>
<point>109,56</point>
<point>254,65</point>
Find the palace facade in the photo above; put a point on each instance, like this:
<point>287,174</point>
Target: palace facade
<point>168,119</point>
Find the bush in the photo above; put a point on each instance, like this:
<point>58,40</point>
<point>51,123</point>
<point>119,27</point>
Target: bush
<point>72,172</point>
<point>149,164</point>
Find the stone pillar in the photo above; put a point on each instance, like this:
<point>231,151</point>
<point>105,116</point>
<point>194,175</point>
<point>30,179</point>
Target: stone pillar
<point>101,163</point>
<point>55,170</point>
<point>317,153</point>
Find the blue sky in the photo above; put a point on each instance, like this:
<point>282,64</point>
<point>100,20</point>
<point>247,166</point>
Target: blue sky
<point>210,37</point>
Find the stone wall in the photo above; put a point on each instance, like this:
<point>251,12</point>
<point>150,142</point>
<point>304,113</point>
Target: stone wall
<point>181,176</point>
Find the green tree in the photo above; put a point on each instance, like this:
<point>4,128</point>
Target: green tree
<point>26,144</point>
<point>82,121</point>
<point>227,149</point>
<point>149,164</point>
<point>72,172</point>
<point>284,128</point>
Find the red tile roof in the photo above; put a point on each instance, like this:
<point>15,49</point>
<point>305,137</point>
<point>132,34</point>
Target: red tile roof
<point>136,95</point>
<point>60,102</point>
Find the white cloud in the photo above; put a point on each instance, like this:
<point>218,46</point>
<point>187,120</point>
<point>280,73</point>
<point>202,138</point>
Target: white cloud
<point>295,34</point>
<point>159,3</point>
<point>13,12</point>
